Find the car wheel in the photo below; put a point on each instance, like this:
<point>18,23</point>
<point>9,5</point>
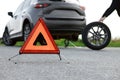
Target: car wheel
<point>26,31</point>
<point>96,35</point>
<point>6,39</point>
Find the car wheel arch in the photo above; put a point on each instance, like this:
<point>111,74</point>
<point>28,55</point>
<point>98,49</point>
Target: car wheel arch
<point>6,28</point>
<point>26,21</point>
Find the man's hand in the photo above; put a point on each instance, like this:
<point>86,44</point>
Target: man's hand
<point>102,19</point>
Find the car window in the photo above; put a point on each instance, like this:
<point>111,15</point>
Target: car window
<point>20,7</point>
<point>55,0</point>
<point>73,1</point>
<point>27,3</point>
<point>34,1</point>
<point>50,0</point>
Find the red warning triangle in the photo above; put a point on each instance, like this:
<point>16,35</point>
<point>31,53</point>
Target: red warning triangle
<point>39,31</point>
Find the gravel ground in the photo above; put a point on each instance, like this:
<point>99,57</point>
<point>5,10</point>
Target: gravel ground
<point>76,64</point>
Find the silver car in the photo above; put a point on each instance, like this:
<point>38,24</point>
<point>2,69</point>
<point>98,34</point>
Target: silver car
<point>64,20</point>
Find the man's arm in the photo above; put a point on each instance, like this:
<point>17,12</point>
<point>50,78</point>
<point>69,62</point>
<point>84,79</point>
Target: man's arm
<point>109,10</point>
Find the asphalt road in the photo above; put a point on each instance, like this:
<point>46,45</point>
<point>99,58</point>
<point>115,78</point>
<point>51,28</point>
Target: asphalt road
<point>76,64</point>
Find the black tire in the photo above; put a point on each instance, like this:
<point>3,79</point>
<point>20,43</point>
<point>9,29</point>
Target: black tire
<point>96,35</point>
<point>6,39</point>
<point>26,31</point>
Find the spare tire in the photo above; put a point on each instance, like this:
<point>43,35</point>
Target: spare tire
<point>96,35</point>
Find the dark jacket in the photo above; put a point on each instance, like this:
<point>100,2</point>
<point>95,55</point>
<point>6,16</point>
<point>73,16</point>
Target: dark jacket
<point>115,5</point>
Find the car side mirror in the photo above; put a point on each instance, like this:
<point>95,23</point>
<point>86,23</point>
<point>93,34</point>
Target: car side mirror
<point>10,14</point>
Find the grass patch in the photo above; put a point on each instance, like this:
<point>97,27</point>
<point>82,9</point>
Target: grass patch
<point>114,43</point>
<point>1,42</point>
<point>71,43</point>
<point>59,42</point>
<point>79,43</point>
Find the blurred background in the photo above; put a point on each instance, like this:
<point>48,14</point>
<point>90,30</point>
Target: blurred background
<point>94,9</point>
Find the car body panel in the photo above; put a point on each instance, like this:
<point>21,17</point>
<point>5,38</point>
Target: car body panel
<point>59,16</point>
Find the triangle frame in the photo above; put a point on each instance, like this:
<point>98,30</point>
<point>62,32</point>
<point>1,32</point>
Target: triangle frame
<point>29,47</point>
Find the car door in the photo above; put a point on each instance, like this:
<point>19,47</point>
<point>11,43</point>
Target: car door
<point>15,22</point>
